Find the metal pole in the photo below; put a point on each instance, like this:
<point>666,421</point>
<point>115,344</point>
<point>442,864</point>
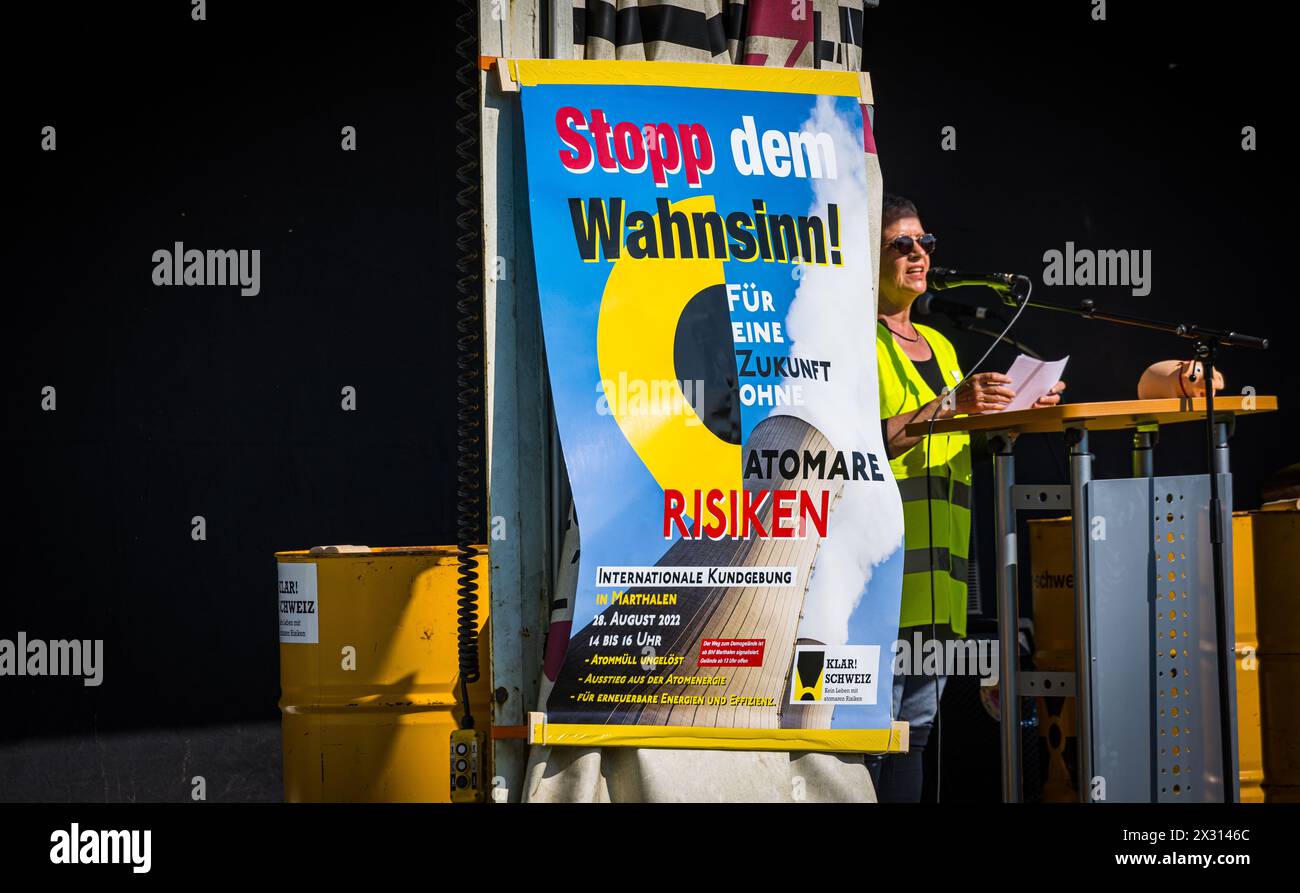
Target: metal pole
<point>560,29</point>
<point>1144,439</point>
<point>1221,448</point>
<point>516,396</point>
<point>1080,477</point>
<point>1004,478</point>
<point>1215,458</point>
<point>1227,662</point>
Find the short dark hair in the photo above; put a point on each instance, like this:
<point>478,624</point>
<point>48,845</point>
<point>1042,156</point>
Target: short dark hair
<point>896,207</point>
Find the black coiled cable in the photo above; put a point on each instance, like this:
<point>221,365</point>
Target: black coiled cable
<point>469,356</point>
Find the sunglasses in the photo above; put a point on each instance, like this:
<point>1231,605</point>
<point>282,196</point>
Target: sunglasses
<point>905,244</point>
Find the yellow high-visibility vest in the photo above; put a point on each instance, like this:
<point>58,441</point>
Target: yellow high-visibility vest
<point>947,531</point>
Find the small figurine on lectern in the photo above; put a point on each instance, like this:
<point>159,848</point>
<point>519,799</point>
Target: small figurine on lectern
<point>1176,378</point>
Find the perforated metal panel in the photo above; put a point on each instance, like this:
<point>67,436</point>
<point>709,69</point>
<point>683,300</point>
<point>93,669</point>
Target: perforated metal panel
<point>1155,677</point>
<point>1119,574</point>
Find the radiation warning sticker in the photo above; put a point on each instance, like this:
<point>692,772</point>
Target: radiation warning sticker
<point>843,674</point>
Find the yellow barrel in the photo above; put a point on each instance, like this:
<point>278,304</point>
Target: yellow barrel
<point>369,674</point>
<point>1250,752</point>
<point>1272,673</point>
<point>1051,560</point>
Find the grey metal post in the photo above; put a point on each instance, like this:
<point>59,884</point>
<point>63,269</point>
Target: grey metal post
<point>516,395</point>
<point>1004,478</point>
<point>1080,476</point>
<point>1227,661</point>
<point>1221,434</point>
<point>1144,440</point>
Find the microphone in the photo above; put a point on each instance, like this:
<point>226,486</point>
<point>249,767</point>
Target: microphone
<point>929,304</point>
<point>1012,286</point>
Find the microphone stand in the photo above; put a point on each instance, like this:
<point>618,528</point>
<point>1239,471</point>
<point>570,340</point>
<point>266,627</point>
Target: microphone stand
<point>1207,344</point>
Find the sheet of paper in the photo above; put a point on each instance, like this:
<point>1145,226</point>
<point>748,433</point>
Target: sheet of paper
<point>1031,379</point>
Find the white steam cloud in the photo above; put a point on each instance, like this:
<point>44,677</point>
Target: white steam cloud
<point>833,317</point>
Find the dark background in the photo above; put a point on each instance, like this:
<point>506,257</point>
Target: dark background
<point>1122,134</point>
<point>175,402</point>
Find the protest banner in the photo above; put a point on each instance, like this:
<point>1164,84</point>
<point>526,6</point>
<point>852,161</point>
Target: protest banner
<point>703,247</point>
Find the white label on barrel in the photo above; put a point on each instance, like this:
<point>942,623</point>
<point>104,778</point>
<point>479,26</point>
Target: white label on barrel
<point>297,587</point>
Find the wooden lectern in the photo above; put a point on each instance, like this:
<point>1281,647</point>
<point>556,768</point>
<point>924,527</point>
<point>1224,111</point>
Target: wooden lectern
<point>1147,661</point>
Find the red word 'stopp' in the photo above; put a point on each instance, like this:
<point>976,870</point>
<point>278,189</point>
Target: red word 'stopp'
<point>632,147</point>
<point>735,514</point>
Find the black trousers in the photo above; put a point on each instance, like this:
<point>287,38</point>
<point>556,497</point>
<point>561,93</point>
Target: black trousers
<point>898,777</point>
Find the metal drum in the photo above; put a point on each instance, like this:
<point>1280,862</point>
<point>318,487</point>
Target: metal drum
<point>369,675</point>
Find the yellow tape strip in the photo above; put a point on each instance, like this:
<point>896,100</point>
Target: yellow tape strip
<point>532,72</point>
<point>891,740</point>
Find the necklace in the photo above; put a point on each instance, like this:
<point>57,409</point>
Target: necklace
<point>901,335</point>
